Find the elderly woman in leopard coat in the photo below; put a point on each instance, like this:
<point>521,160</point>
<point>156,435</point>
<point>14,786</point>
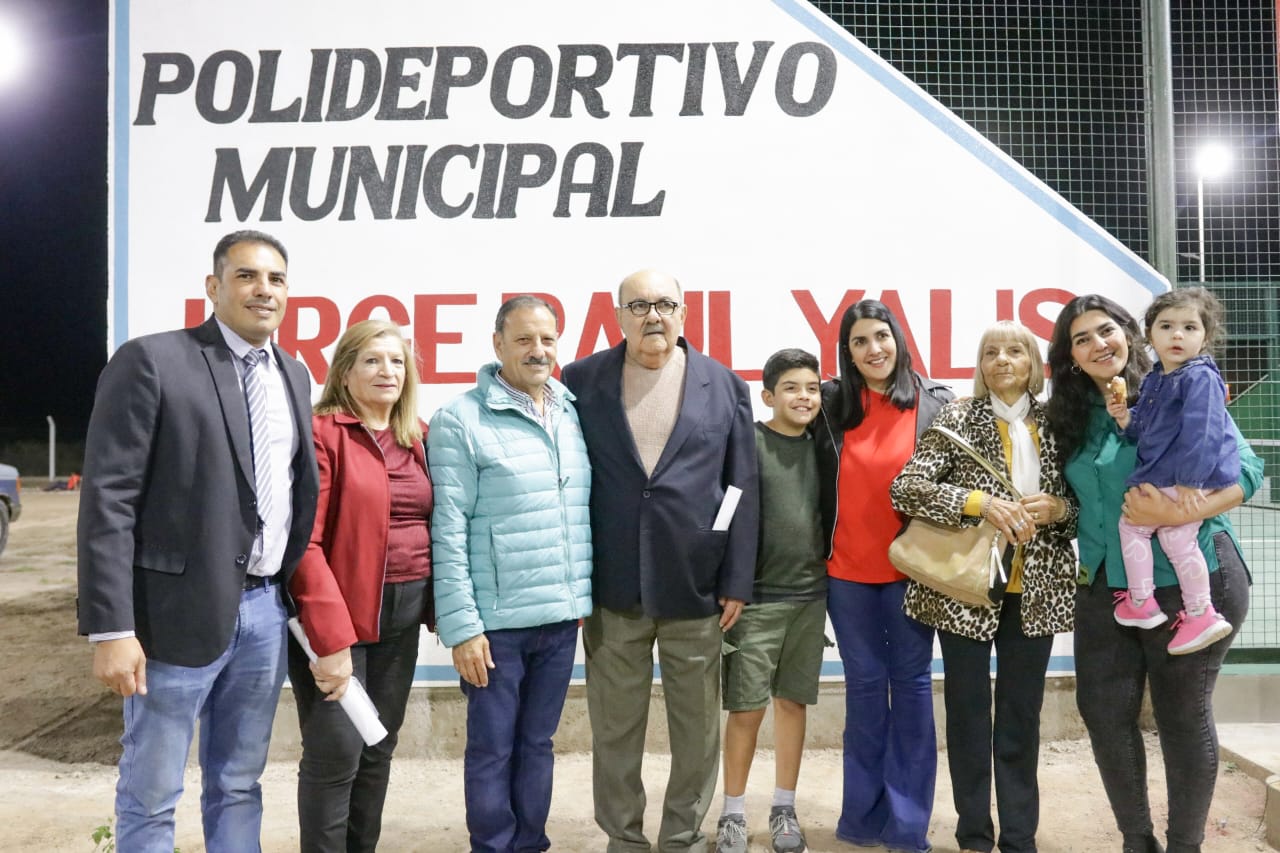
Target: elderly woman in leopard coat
<point>1004,422</point>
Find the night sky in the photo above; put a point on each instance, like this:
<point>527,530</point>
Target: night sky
<point>53,217</point>
<point>54,203</point>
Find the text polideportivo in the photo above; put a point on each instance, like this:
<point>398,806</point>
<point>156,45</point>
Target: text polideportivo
<point>417,84</point>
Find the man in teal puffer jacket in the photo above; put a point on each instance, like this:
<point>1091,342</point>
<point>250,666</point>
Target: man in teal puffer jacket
<point>511,559</point>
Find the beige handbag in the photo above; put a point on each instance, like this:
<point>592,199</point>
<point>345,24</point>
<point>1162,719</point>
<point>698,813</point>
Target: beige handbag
<point>965,563</point>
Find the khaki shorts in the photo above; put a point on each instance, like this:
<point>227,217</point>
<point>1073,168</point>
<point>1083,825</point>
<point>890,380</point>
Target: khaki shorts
<point>774,649</point>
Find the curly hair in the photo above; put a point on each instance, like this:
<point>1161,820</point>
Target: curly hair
<point>1074,393</point>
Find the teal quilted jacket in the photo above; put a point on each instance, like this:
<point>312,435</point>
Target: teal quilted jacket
<point>511,528</point>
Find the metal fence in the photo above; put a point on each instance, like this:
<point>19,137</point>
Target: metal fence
<point>1059,86</point>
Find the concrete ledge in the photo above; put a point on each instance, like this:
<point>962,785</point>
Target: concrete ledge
<point>1255,749</point>
<point>436,719</point>
<point>435,723</point>
<point>1271,812</point>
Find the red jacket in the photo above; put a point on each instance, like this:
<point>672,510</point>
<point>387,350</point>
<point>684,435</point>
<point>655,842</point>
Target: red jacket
<point>338,584</point>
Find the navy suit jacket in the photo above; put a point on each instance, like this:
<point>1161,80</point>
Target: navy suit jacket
<point>168,514</point>
<point>654,546</point>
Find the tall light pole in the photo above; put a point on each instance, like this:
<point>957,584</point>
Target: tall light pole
<point>1213,159</point>
<point>53,447</point>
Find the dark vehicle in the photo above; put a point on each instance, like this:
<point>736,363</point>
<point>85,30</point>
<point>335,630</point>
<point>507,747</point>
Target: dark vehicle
<point>10,501</point>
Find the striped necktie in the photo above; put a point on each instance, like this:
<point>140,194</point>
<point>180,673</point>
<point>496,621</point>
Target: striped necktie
<point>255,394</point>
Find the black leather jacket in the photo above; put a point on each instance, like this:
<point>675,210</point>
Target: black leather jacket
<point>829,439</point>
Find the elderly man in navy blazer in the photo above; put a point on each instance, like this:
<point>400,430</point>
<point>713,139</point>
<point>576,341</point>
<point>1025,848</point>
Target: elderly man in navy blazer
<point>669,431</point>
<point>199,495</point>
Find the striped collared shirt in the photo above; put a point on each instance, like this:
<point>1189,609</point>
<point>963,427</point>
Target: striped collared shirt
<point>550,402</point>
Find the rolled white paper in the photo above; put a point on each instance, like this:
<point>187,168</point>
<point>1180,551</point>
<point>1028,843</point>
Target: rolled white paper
<point>728,507</point>
<point>355,702</point>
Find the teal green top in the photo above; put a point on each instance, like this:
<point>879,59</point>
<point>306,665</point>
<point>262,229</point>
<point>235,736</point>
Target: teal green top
<point>1097,472</point>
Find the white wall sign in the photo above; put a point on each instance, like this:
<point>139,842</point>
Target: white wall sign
<point>423,161</point>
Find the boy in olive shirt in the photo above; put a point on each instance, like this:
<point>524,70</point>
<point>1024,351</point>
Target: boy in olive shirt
<point>775,648</point>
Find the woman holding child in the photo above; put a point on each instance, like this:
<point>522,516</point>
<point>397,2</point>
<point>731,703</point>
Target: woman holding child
<point>1094,342</point>
<point>1005,423</point>
<point>871,418</point>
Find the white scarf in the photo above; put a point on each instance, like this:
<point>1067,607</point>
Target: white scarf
<point>1026,461</point>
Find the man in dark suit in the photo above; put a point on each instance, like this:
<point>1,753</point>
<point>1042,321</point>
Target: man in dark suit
<point>199,496</point>
<point>668,431</point>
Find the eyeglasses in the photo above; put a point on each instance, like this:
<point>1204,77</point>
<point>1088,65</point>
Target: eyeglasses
<point>640,307</point>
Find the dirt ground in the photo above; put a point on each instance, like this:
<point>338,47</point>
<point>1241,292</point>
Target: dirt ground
<point>59,730</point>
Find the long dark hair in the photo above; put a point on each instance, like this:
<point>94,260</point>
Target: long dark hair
<point>1074,392</point>
<point>902,386</point>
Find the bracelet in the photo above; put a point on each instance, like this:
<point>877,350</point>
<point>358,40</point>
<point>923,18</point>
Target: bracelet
<point>985,507</point>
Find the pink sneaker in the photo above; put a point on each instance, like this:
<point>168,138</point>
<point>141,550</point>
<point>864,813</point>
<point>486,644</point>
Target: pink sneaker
<point>1193,633</point>
<point>1145,615</point>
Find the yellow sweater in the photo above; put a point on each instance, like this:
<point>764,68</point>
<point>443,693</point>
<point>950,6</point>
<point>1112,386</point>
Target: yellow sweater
<point>973,506</point>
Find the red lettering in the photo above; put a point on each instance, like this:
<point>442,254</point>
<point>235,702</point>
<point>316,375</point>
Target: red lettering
<point>427,336</point>
<point>193,313</point>
<point>308,351</point>
<point>1004,304</point>
<point>940,339</point>
<point>893,302</point>
<point>601,317</point>
<point>1030,316</point>
<point>826,330</point>
<point>396,312</point>
<point>720,333</point>
<point>554,302</point>
<point>720,327</point>
<point>693,321</point>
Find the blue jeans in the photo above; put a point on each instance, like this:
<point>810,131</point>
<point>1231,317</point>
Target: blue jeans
<point>234,698</point>
<point>1112,665</point>
<point>890,747</point>
<point>1011,744</point>
<point>508,764</point>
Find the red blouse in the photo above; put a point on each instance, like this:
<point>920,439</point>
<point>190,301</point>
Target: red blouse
<point>873,454</point>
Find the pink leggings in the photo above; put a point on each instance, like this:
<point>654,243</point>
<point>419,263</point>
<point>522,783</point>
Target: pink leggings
<point>1179,544</point>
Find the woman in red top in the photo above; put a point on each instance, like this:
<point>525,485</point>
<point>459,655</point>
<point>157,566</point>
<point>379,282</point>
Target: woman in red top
<point>871,417</point>
<point>363,587</point>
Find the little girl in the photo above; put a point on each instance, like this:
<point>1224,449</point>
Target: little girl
<point>1186,447</point>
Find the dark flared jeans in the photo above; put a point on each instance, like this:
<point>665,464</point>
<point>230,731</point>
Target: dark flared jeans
<point>1113,664</point>
<point>342,784</point>
<point>890,747</point>
<point>1011,744</point>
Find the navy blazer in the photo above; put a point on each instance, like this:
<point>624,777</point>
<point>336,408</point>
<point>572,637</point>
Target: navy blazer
<point>168,514</point>
<point>654,546</point>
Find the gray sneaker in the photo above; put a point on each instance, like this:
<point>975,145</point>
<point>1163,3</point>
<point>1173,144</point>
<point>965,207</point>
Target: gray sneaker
<point>785,829</point>
<point>731,834</point>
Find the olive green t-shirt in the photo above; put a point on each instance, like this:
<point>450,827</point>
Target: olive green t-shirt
<point>791,564</point>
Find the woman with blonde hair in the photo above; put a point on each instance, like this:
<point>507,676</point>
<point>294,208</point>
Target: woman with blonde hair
<point>1006,424</point>
<point>363,587</point>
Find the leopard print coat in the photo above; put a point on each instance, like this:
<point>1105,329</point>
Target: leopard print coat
<point>936,482</point>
